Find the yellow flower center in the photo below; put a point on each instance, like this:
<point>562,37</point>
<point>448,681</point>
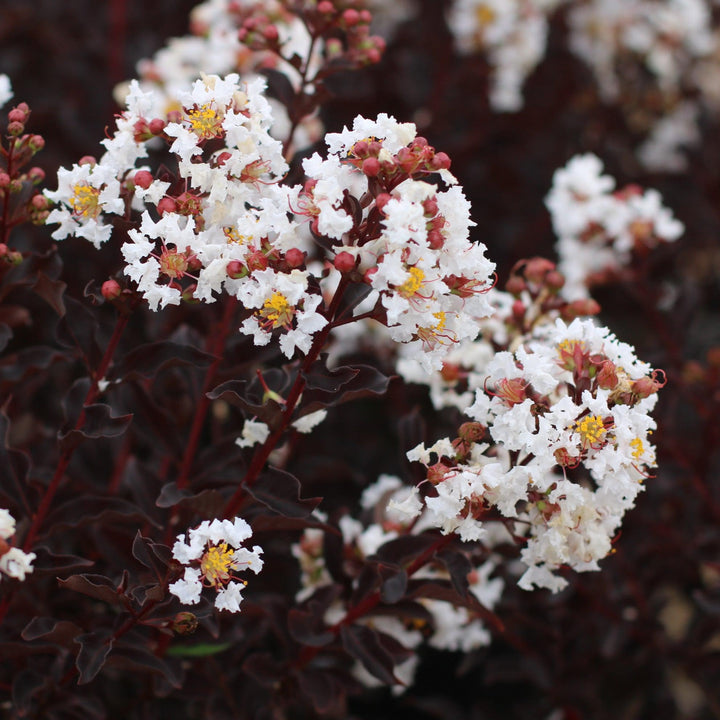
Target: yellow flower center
<point>591,429</point>
<point>85,201</point>
<point>484,15</point>
<point>217,563</point>
<point>277,310</point>
<point>413,283</point>
<point>638,448</point>
<point>233,236</point>
<point>173,263</point>
<point>205,121</point>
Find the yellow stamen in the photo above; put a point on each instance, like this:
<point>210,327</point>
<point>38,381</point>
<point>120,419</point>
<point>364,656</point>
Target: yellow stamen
<point>638,448</point>
<point>205,121</point>
<point>85,201</point>
<point>413,283</point>
<point>217,563</point>
<point>233,236</point>
<point>484,15</point>
<point>591,429</point>
<point>277,310</point>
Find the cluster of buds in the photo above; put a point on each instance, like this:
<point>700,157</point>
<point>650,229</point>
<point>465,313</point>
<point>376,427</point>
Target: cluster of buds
<point>19,187</point>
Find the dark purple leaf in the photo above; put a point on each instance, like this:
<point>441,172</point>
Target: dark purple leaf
<point>233,392</point>
<point>279,87</point>
<point>459,567</point>
<point>324,690</point>
<point>207,503</point>
<point>99,423</point>
<point>394,583</point>
<point>139,658</point>
<point>94,649</point>
<point>5,334</point>
<point>142,551</point>
<point>50,630</point>
<point>404,549</point>
<point>264,669</point>
<point>83,510</point>
<point>308,629</point>
<point>280,491</point>
<point>94,586</point>
<point>146,360</point>
<point>50,563</point>
<point>363,644</point>
<point>320,377</point>
<point>51,291</point>
<point>77,329</point>
<point>16,367</point>
<point>367,381</point>
<point>14,467</point>
<point>25,685</point>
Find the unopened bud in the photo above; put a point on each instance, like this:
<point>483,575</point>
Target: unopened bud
<point>166,205</point>
<point>236,270</point>
<point>4,180</point>
<point>36,175</point>
<point>143,179</point>
<point>440,161</point>
<point>351,17</point>
<point>371,167</point>
<point>111,290</point>
<point>471,432</point>
<point>295,258</point>
<point>15,128</point>
<point>325,7</point>
<point>87,160</point>
<point>184,623</point>
<point>344,262</point>
<point>156,126</point>
<point>382,200</point>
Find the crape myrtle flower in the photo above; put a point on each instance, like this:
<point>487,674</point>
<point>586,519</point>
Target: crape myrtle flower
<point>599,228</point>
<point>214,555</point>
<point>6,92</point>
<point>13,561</point>
<point>408,238</point>
<point>560,445</point>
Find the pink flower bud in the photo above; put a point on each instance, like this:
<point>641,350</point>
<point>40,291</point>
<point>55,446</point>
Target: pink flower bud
<point>36,175</point>
<point>166,205</point>
<point>111,290</point>
<point>351,17</point>
<point>325,7</point>
<point>143,179</point>
<point>17,115</point>
<point>87,160</point>
<point>4,180</point>
<point>270,33</point>
<point>440,161</point>
<point>371,167</point>
<point>39,202</point>
<point>15,128</point>
<point>344,262</point>
<point>382,200</point>
<point>295,258</point>
<point>236,270</point>
<point>156,126</point>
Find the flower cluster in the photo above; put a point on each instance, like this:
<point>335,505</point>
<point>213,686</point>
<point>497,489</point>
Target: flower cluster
<point>213,555</point>
<point>13,561</point>
<point>513,33</point>
<point>599,228</point>
<point>559,444</point>
<point>408,239</point>
<point>441,625</point>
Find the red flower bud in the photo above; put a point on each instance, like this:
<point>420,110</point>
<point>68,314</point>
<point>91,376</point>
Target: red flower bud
<point>143,179</point>
<point>295,258</point>
<point>344,262</point>
<point>111,290</point>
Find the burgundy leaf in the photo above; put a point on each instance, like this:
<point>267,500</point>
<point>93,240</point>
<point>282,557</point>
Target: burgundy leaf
<point>50,630</point>
<point>280,491</point>
<point>363,644</point>
<point>51,291</point>
<point>94,649</point>
<point>94,586</point>
<point>147,360</point>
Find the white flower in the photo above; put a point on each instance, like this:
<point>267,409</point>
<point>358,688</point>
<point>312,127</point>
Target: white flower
<point>307,423</point>
<point>253,432</point>
<point>5,89</point>
<point>7,524</point>
<point>16,564</point>
<point>214,555</point>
